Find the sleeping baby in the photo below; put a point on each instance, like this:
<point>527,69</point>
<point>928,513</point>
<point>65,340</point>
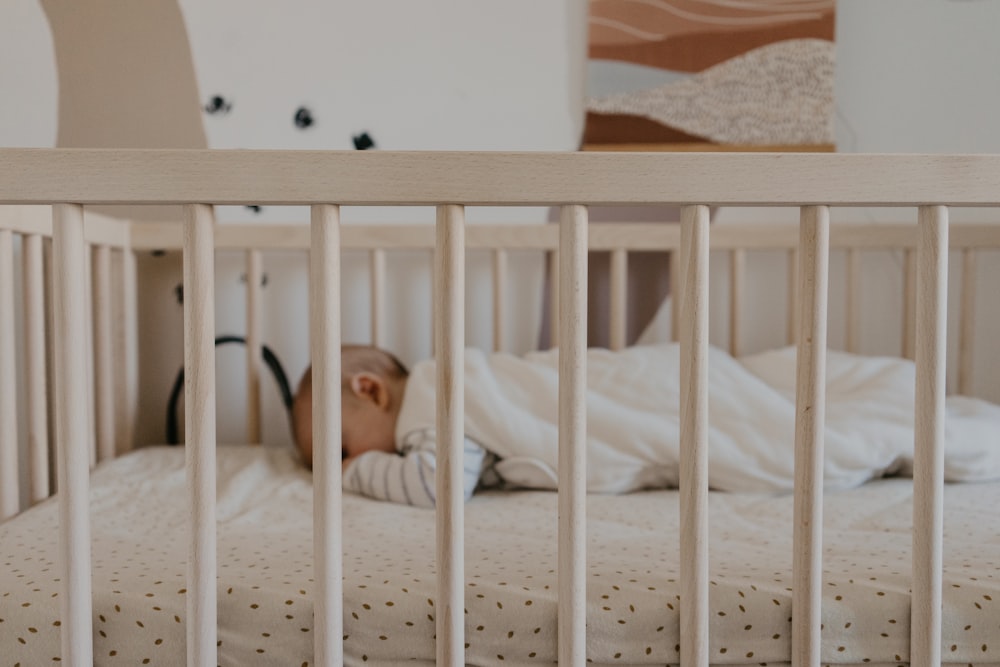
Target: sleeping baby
<point>633,417</point>
<point>375,464</point>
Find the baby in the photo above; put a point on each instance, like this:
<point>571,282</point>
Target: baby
<point>373,386</point>
<point>511,422</point>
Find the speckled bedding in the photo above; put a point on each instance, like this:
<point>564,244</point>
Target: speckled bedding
<point>265,571</point>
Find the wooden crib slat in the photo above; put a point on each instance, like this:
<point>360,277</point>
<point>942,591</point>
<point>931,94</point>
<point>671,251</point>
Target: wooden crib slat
<point>35,379</point>
<point>793,296</point>
<point>676,296</point>
<point>852,321</point>
<point>324,336</point>
<point>9,473</point>
<point>554,309</point>
<point>88,333</point>
<point>200,433</point>
<point>694,437</point>
<point>253,347</point>
<point>128,350</point>
<point>810,402</point>
<point>572,572</point>
<point>909,303</point>
<point>72,428</point>
<point>928,455</point>
<point>618,297</point>
<point>378,297</point>
<point>499,298</point>
<point>104,372</point>
<point>737,264</point>
<point>449,312</point>
<point>966,325</point>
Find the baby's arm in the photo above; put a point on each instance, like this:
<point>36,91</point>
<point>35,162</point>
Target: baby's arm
<point>408,478</point>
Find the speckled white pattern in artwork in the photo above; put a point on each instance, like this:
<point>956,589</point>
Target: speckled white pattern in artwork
<point>265,573</point>
<point>781,93</point>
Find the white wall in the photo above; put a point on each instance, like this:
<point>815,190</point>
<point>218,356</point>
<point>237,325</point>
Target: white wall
<point>912,75</point>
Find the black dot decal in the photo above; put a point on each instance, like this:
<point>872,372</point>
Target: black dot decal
<point>303,118</point>
<point>218,104</point>
<point>363,141</point>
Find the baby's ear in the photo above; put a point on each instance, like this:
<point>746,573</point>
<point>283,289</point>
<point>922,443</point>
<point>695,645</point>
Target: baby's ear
<point>369,386</point>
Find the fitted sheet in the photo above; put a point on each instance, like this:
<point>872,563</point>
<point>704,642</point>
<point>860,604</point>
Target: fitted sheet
<point>265,573</point>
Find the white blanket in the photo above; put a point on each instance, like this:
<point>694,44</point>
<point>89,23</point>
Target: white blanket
<point>633,418</point>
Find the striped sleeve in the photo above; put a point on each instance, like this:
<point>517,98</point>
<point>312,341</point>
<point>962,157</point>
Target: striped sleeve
<point>408,477</point>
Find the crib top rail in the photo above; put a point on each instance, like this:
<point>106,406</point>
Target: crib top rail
<point>635,237</point>
<point>142,176</point>
<point>99,230</point>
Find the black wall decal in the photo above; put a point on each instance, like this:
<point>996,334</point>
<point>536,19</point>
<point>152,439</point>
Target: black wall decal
<point>363,141</point>
<point>218,105</point>
<point>303,118</point>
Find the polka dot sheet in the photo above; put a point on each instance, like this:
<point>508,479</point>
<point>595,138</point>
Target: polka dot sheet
<point>266,587</point>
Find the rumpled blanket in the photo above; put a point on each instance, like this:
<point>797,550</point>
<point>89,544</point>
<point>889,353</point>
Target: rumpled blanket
<point>633,417</point>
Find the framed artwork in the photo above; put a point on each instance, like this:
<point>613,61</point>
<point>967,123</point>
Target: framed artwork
<point>710,75</point>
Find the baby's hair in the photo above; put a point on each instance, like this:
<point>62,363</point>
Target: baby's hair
<point>354,359</point>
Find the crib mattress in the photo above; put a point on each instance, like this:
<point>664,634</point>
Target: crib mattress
<point>265,573</point>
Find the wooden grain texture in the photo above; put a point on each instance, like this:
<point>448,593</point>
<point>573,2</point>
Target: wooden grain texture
<point>324,337</point>
<point>694,438</point>
<point>966,323</point>
<point>200,433</point>
<point>255,275</point>
<point>71,428</point>
<point>114,176</point>
<point>10,503</point>
<point>810,411</point>
<point>572,571</point>
<point>449,313</point>
<point>35,367</point>
<point>928,455</point>
<point>104,368</point>
<point>618,295</point>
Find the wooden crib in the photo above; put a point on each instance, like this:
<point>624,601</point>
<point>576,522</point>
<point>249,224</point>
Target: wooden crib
<point>70,179</point>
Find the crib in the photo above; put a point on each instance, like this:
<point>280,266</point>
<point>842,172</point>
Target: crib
<point>100,418</point>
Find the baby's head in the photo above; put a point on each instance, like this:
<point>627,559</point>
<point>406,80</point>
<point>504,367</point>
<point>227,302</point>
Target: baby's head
<point>372,384</point>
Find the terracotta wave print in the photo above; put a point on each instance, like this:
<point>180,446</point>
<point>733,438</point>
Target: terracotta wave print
<point>781,93</point>
<point>691,35</point>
